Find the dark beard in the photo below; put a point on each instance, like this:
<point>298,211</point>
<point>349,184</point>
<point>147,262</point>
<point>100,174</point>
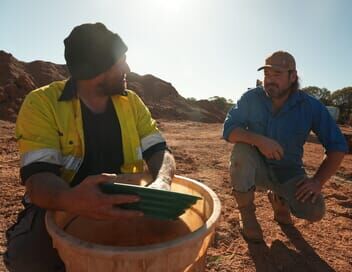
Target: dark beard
<point>277,94</point>
<point>110,90</point>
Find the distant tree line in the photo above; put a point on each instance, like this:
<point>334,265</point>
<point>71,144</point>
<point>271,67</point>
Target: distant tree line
<point>219,101</point>
<point>222,102</point>
<point>341,99</point>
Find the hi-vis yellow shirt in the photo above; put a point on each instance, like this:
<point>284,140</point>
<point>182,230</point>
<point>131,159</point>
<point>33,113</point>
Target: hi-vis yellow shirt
<point>49,130</point>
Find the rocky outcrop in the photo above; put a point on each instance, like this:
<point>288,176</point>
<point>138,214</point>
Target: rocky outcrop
<point>17,78</point>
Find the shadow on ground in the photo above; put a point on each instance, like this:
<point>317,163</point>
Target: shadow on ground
<point>278,257</point>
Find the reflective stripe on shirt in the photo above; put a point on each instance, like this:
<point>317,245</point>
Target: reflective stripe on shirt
<point>151,140</point>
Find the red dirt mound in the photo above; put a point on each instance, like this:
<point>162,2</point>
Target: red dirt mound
<point>17,78</point>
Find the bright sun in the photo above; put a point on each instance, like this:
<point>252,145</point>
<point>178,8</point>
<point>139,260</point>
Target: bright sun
<point>170,6</point>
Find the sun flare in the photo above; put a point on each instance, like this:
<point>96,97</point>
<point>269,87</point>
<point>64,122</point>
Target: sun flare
<point>171,6</point>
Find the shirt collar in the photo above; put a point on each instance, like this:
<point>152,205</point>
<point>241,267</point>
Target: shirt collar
<point>69,91</point>
<point>265,97</point>
<point>293,99</point>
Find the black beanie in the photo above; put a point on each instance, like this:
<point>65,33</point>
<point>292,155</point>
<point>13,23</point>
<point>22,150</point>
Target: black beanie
<point>92,49</point>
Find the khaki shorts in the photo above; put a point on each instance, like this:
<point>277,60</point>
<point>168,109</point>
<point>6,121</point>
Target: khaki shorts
<point>248,169</point>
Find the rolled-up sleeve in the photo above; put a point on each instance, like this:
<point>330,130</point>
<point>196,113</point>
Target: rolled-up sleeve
<point>236,117</point>
<point>325,127</point>
<point>36,133</point>
<point>37,137</point>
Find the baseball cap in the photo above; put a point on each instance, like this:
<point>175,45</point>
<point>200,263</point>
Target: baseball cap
<point>280,60</point>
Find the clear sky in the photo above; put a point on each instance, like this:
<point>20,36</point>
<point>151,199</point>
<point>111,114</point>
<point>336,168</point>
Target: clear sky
<point>203,47</point>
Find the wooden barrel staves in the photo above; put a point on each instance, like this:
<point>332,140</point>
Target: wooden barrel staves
<point>140,244</point>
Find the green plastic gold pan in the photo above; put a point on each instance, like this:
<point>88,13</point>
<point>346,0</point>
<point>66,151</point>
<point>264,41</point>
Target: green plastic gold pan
<point>154,203</point>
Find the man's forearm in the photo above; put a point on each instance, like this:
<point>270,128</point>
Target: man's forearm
<point>46,190</point>
<point>162,165</point>
<point>329,166</point>
<point>240,135</point>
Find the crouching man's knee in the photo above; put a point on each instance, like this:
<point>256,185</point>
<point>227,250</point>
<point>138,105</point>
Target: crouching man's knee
<point>312,212</point>
<point>317,213</point>
<point>243,165</point>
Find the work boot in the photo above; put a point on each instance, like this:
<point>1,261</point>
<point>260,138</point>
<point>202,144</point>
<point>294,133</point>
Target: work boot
<point>249,225</point>
<point>282,213</point>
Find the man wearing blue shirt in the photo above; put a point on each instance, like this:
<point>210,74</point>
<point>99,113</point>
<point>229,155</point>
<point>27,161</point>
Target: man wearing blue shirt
<point>269,127</point>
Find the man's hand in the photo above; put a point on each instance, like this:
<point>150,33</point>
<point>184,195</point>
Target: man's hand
<point>270,149</point>
<point>161,183</point>
<point>308,188</point>
<point>86,199</point>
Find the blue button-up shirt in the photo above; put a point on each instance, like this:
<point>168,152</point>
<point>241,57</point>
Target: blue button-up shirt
<point>290,127</point>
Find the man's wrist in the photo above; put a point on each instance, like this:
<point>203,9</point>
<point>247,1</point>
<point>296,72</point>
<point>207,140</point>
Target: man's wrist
<point>257,139</point>
<point>161,183</point>
<point>164,179</point>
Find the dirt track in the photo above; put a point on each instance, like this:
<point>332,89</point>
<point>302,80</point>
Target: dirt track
<point>200,154</point>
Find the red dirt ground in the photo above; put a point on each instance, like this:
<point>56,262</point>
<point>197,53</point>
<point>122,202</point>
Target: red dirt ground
<point>200,154</point>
